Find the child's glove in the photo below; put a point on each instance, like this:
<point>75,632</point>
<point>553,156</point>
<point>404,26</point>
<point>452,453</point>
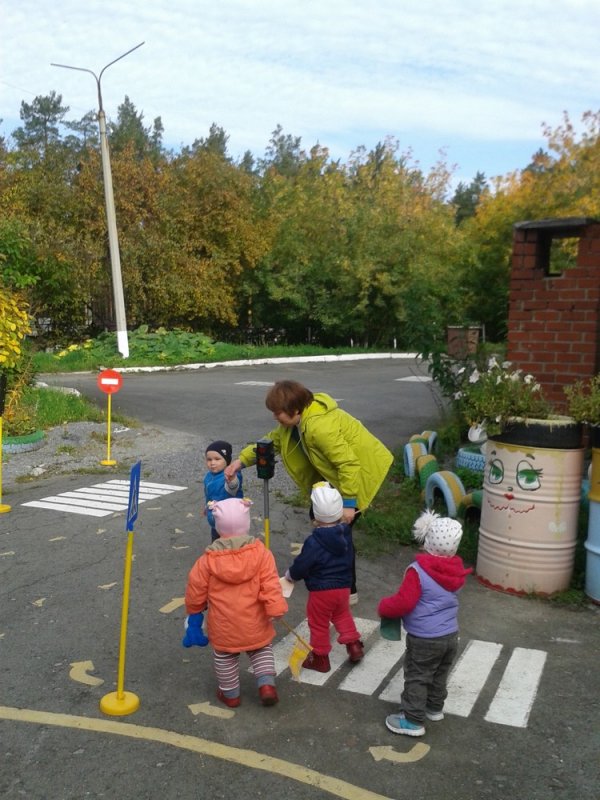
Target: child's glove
<point>193,631</point>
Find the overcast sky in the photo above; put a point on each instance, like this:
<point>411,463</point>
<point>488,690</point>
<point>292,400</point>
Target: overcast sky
<point>474,78</point>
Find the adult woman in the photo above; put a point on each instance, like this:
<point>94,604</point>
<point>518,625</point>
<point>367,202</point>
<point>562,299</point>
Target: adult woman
<point>317,440</point>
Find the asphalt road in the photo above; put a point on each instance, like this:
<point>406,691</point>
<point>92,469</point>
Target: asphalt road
<point>522,717</point>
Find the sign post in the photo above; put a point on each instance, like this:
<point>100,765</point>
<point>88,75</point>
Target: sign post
<point>109,381</point>
<point>121,703</point>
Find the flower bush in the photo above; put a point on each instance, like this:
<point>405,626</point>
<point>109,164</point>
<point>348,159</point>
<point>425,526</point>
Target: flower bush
<point>583,398</point>
<point>489,395</point>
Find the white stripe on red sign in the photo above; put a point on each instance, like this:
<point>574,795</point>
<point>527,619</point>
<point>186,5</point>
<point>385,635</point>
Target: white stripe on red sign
<point>109,381</point>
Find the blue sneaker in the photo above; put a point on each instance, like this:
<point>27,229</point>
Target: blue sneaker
<point>397,723</point>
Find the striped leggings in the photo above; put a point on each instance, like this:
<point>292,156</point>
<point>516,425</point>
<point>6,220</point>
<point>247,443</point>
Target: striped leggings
<point>227,668</point>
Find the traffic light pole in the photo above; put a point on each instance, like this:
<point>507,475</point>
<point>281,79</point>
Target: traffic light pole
<point>265,469</point>
<point>266,515</point>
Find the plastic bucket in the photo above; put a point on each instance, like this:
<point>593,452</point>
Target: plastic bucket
<point>530,507</point>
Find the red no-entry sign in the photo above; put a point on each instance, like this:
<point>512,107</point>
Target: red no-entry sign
<point>109,381</point>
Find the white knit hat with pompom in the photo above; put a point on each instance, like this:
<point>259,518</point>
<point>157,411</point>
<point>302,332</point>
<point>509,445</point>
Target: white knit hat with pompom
<point>440,536</point>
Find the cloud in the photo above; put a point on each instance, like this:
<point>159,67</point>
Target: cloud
<point>328,71</point>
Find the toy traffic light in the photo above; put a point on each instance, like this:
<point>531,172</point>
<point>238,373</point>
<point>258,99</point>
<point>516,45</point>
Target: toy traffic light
<point>265,458</point>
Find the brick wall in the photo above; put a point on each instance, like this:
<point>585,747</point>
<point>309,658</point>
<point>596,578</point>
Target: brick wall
<point>554,320</point>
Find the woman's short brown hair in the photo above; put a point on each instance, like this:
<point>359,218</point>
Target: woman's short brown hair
<point>290,397</point>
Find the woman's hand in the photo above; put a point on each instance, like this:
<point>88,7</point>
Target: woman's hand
<point>231,469</point>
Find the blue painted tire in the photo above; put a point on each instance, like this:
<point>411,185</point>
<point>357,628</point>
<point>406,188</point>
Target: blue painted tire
<point>412,451</point>
<point>470,458</point>
<point>451,488</point>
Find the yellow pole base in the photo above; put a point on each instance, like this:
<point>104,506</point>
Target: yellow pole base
<point>4,508</point>
<point>117,706</point>
<point>108,462</point>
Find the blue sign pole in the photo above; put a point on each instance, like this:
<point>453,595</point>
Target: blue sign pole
<point>120,703</point>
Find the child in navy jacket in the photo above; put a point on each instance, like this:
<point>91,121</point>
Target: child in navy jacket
<point>216,486</point>
<point>325,564</point>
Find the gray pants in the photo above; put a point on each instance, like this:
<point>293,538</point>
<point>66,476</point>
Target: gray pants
<point>427,664</point>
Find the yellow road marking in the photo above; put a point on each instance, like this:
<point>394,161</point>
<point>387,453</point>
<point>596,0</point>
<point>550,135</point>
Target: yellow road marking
<point>246,758</point>
<point>79,673</point>
<point>211,711</point>
<point>387,752</point>
<point>39,603</point>
<point>175,603</point>
<point>295,548</point>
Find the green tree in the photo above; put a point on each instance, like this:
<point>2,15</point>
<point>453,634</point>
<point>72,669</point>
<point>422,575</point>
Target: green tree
<point>41,121</point>
<point>466,197</point>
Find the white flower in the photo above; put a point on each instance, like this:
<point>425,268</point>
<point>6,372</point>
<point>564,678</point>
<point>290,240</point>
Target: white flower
<point>474,376</point>
<point>528,378</point>
<point>493,363</point>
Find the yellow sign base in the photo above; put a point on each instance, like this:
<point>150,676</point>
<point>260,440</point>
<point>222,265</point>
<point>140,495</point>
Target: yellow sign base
<point>4,508</point>
<point>108,462</point>
<point>119,706</point>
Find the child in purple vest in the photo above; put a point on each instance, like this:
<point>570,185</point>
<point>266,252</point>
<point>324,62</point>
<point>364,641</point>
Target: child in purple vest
<point>427,602</point>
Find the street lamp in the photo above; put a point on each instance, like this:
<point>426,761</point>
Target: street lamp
<point>113,240</point>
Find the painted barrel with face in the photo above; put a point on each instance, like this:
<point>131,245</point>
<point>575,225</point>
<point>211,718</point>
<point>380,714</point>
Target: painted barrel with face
<point>530,507</point>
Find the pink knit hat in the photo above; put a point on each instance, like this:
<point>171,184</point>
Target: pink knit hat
<point>232,516</point>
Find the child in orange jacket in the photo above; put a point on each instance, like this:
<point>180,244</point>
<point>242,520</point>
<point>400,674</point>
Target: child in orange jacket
<point>237,580</point>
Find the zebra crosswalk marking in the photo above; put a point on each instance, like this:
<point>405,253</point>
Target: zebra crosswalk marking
<point>469,676</point>
<point>366,676</point>
<point>103,499</point>
<point>513,701</point>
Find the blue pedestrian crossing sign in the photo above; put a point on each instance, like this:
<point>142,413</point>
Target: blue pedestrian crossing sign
<point>134,494</point>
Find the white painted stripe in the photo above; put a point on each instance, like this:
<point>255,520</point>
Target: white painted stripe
<point>116,494</point>
<point>369,673</point>
<point>415,379</point>
<point>513,701</point>
<point>148,485</point>
<point>73,501</point>
<point>90,512</point>
<point>392,692</point>
<point>119,502</point>
<point>468,677</point>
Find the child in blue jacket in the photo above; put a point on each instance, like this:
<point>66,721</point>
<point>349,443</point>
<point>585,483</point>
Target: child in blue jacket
<point>216,485</point>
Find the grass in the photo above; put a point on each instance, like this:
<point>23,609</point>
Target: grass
<point>165,348</point>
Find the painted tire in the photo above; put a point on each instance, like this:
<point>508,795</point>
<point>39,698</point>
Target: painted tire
<point>426,466</point>
<point>412,451</point>
<point>470,458</point>
<point>470,502</point>
<point>23,444</point>
<point>430,437</point>
<point>451,488</point>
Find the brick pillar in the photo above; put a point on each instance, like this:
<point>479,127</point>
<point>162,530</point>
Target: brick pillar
<point>554,320</point>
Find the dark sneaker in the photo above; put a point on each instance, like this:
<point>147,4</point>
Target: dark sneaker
<point>397,723</point>
<point>355,650</point>
<point>268,695</point>
<point>232,702</point>
<point>319,663</point>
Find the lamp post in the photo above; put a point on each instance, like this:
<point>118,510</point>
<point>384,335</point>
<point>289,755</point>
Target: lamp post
<point>111,220</point>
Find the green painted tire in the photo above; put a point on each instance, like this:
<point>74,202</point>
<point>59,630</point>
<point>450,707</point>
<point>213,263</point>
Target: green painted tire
<point>426,466</point>
<point>22,444</point>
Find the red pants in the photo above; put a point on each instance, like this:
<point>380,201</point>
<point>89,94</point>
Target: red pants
<point>330,605</point>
